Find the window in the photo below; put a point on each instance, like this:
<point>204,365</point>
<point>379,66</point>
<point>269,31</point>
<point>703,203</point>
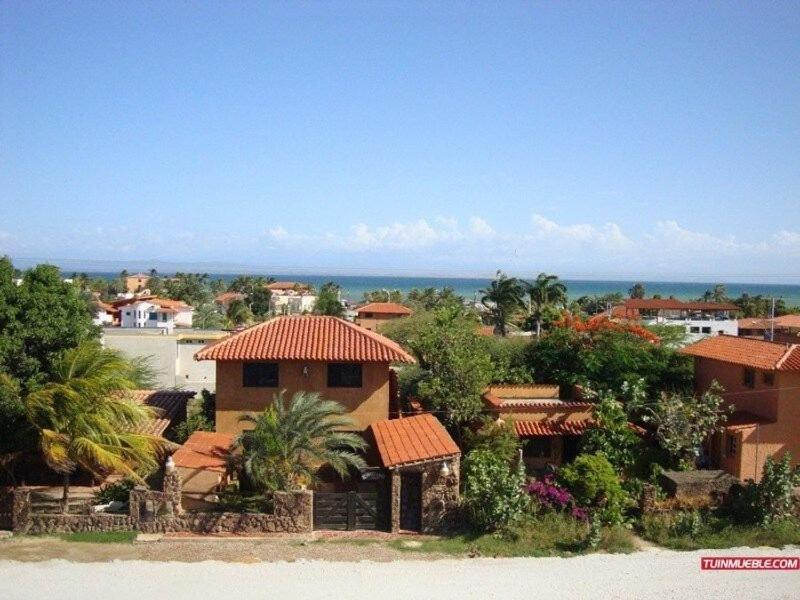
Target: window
<point>344,375</point>
<point>749,378</point>
<point>163,316</point>
<point>694,330</point>
<point>127,313</point>
<point>706,329</point>
<point>153,316</point>
<point>260,374</point>
<point>768,377</point>
<point>538,447</point>
<point>730,445</point>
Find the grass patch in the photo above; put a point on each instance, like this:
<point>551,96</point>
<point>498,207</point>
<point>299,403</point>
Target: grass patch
<point>548,535</point>
<point>716,532</point>
<point>94,537</point>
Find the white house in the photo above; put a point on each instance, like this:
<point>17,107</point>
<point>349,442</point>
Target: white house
<point>291,298</point>
<point>104,314</point>
<point>155,313</point>
<point>700,319</point>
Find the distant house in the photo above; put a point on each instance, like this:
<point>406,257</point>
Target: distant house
<point>699,319</point>
<point>168,406</point>
<point>762,382</point>
<point>105,315</point>
<point>373,315</point>
<point>226,298</point>
<point>136,283</point>
<point>291,298</point>
<point>550,427</point>
<point>153,312</point>
<point>780,329</point>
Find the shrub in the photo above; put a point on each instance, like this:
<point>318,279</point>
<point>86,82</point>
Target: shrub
<point>118,491</point>
<point>493,490</point>
<point>498,438</point>
<point>768,500</point>
<point>613,436</point>
<point>594,484</point>
<point>548,495</point>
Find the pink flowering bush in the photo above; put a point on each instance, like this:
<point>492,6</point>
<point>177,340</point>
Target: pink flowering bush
<point>548,495</point>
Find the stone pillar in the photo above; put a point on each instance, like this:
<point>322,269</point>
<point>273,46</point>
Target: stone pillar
<point>20,510</point>
<point>173,489</point>
<point>394,501</point>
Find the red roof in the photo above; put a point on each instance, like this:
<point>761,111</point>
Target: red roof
<point>206,450</point>
<point>306,337</point>
<point>287,285</point>
<point>633,304</point>
<point>792,321</point>
<point>228,297</point>
<point>411,440</point>
<point>162,302</point>
<point>758,354</point>
<point>168,406</point>
<point>544,428</point>
<point>386,308</point>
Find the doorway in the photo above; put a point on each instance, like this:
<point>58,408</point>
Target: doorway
<point>411,501</point>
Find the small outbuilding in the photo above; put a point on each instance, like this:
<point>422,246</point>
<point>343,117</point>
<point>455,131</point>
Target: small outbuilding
<point>423,463</point>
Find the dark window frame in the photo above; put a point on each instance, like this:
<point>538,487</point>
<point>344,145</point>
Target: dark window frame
<point>768,377</point>
<point>337,376</point>
<point>731,445</point>
<point>749,378</point>
<point>538,447</point>
<point>260,375</point>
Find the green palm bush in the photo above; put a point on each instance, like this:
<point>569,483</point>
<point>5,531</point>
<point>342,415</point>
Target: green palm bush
<point>290,441</point>
<point>85,418</point>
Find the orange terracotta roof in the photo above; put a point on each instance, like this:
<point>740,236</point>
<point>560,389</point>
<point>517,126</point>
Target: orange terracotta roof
<point>500,396</point>
<point>386,308</point>
<point>306,337</point>
<point>411,440</point>
<point>792,321</point>
<point>545,428</point>
<point>206,450</point>
<point>162,302</point>
<point>753,323</point>
<point>168,406</point>
<point>758,354</point>
<point>674,304</point>
<point>742,419</point>
<point>227,297</point>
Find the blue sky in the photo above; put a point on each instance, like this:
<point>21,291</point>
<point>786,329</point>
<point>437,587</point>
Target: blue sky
<point>640,139</point>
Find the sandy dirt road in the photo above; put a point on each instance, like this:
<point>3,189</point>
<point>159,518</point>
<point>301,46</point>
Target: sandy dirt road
<point>651,574</point>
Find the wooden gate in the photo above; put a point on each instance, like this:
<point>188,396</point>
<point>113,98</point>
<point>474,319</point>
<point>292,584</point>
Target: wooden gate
<point>348,510</point>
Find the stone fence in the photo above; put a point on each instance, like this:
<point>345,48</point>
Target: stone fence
<point>152,511</point>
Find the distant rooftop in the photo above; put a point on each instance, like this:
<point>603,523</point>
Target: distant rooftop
<point>758,354</point>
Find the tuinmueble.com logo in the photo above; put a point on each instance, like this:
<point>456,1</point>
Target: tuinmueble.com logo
<point>749,563</point>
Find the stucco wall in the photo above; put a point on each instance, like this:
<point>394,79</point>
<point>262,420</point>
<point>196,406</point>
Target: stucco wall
<point>365,405</point>
<point>779,402</point>
<point>376,320</point>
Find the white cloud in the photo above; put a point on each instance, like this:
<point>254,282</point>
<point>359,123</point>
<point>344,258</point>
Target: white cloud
<point>480,227</point>
<point>609,237</point>
<point>278,233</point>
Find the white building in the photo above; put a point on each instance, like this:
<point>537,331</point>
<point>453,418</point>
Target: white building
<point>291,298</point>
<point>104,314</point>
<point>700,319</point>
<point>171,354</point>
<point>155,313</point>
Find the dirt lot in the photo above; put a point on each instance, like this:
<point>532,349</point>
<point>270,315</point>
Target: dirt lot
<point>333,547</point>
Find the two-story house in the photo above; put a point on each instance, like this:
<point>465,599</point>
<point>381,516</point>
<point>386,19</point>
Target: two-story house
<point>761,380</point>
<point>373,315</point>
<point>152,312</point>
<point>699,319</point>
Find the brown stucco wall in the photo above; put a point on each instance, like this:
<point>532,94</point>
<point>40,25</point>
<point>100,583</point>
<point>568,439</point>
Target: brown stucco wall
<point>378,319</point>
<point>366,405</point>
<point>779,402</point>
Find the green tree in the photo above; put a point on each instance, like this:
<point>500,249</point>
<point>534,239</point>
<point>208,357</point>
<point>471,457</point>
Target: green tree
<point>637,291</point>
<point>192,288</point>
<point>238,313</point>
<point>199,418</point>
<point>155,284</point>
<point>208,316</point>
<point>719,293</point>
<point>258,300</point>
<point>612,436</point>
<point>594,484</point>
<point>328,300</point>
<point>84,417</point>
<point>684,421</point>
<point>431,298</point>
<point>495,436</point>
<point>456,364</point>
<point>502,299</point>
<point>291,441</point>
<point>546,297</point>
<point>493,489</point>
<point>383,295</point>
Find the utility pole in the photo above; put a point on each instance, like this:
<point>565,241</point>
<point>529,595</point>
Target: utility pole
<point>772,321</point>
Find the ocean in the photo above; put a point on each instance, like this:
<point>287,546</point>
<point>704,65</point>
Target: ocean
<point>354,286</point>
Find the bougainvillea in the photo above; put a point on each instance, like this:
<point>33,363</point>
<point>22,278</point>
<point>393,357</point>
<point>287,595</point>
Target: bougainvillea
<point>551,496</point>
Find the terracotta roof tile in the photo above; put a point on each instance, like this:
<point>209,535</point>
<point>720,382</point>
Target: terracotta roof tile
<point>674,304</point>
<point>306,337</point>
<point>386,308</point>
<point>412,440</point>
<point>545,428</point>
<point>749,352</point>
<point>168,406</point>
<point>206,450</point>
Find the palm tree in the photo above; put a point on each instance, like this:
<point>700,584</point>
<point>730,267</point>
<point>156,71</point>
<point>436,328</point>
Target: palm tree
<point>85,418</point>
<point>290,442</point>
<point>238,313</point>
<point>545,294</point>
<point>501,299</point>
<point>207,316</point>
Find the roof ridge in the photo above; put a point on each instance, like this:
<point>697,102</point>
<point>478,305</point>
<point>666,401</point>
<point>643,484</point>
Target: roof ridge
<point>790,348</point>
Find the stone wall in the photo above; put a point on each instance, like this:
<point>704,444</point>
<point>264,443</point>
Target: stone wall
<point>440,496</point>
<point>160,512</point>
